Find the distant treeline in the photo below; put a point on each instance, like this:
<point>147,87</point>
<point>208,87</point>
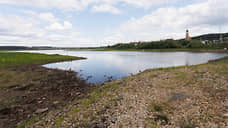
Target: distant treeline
<point>24,48</point>
<point>13,48</point>
<point>170,43</point>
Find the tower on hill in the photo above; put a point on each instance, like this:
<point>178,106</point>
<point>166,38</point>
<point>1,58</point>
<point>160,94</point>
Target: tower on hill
<point>188,38</point>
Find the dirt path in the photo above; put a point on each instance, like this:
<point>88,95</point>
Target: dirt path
<point>29,92</point>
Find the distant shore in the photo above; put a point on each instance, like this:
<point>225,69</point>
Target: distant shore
<point>153,50</point>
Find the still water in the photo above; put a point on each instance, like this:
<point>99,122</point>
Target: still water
<point>101,66</point>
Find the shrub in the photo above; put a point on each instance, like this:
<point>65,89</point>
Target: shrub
<point>195,44</point>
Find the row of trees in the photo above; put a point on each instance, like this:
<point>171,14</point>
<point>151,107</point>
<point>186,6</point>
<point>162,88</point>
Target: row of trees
<point>170,43</point>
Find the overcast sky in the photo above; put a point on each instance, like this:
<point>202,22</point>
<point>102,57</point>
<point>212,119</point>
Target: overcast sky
<point>82,23</point>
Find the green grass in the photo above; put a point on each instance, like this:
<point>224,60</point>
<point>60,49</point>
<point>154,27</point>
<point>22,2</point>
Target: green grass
<point>29,122</point>
<point>157,108</point>
<point>97,94</point>
<point>162,117</point>
<point>15,58</point>
<point>222,60</point>
<point>24,124</point>
<point>59,120</point>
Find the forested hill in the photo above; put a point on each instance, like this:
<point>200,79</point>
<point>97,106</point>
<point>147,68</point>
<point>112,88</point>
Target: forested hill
<point>211,37</point>
<point>13,48</point>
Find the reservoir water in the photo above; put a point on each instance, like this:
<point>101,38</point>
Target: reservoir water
<point>101,66</point>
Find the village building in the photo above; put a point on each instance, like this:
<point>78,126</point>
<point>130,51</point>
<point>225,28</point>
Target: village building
<point>188,38</point>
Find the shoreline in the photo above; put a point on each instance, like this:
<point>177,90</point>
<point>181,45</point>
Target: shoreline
<point>166,97</point>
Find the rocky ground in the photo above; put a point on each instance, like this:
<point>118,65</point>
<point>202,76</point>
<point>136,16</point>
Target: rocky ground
<point>185,97</point>
<point>28,92</point>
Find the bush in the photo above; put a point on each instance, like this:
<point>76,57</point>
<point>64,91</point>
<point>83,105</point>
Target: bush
<point>123,46</point>
<point>195,44</point>
<point>223,45</point>
<point>183,42</point>
<point>170,43</point>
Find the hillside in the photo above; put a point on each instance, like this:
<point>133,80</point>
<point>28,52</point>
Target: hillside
<point>212,36</point>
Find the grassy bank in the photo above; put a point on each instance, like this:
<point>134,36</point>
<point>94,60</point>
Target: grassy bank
<point>22,59</point>
<point>18,58</point>
<point>186,97</point>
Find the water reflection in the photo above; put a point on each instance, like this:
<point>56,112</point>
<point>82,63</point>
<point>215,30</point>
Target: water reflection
<point>102,66</point>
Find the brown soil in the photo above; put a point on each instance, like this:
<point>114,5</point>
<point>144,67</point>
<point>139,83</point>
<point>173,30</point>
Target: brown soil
<point>32,91</point>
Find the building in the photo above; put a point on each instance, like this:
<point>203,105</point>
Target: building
<point>188,38</point>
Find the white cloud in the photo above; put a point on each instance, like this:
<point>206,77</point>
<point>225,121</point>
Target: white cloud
<point>148,3</point>
<point>28,12</point>
<point>15,25</point>
<point>79,5</point>
<point>24,31</point>
<point>171,22</point>
<point>36,28</point>
<point>49,17</point>
<point>60,4</point>
<point>106,8</point>
<point>60,27</point>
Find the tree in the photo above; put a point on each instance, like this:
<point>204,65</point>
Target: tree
<point>195,44</point>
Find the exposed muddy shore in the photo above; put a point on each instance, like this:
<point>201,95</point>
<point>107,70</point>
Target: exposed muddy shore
<point>33,90</point>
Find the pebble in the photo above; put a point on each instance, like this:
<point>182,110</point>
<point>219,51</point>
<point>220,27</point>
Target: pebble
<point>56,102</point>
<point>225,115</point>
<point>113,120</point>
<point>41,110</point>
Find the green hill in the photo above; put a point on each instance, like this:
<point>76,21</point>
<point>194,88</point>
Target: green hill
<point>211,37</point>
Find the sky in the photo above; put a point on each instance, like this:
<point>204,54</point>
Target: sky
<point>92,23</point>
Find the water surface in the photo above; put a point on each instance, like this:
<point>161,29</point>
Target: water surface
<point>101,66</point>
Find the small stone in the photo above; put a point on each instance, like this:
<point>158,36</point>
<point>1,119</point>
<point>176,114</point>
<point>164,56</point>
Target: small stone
<point>103,119</point>
<point>113,120</point>
<point>179,96</point>
<point>101,111</point>
<point>107,107</point>
<point>56,102</point>
<point>226,106</point>
<point>186,85</point>
<point>5,111</point>
<point>41,110</point>
<point>98,125</point>
<point>225,115</point>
